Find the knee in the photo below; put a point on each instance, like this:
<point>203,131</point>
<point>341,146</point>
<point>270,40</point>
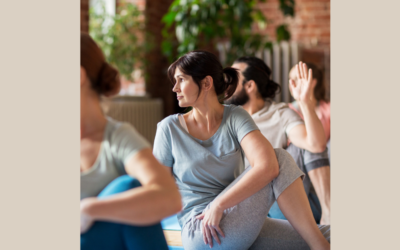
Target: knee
<point>119,185</point>
<point>284,158</point>
<point>285,161</point>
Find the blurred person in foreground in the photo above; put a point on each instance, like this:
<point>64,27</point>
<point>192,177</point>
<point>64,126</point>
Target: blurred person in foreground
<point>125,191</point>
<point>304,138</point>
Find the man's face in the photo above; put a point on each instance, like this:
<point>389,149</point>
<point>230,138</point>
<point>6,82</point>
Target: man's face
<point>240,96</point>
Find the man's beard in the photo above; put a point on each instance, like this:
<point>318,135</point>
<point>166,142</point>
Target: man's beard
<point>239,99</point>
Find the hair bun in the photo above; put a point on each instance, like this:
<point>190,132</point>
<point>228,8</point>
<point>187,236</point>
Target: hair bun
<point>108,82</point>
<point>231,81</point>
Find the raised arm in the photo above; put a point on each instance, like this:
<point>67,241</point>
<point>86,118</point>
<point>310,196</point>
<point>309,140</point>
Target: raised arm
<point>310,136</point>
<point>157,198</point>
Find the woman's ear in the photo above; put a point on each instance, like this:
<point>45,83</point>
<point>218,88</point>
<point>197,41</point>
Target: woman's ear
<point>208,83</point>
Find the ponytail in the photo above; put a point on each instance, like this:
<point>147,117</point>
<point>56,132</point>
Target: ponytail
<point>260,73</point>
<point>231,79</point>
<point>199,64</point>
<point>268,88</point>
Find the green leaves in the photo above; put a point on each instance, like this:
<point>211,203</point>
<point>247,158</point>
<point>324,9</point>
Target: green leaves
<point>169,19</point>
<point>197,23</point>
<point>282,34</point>
<point>287,7</point>
<point>123,39</point>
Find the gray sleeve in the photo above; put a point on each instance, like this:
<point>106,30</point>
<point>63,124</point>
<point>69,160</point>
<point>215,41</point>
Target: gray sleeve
<point>126,142</point>
<point>162,149</point>
<point>290,119</point>
<point>242,123</point>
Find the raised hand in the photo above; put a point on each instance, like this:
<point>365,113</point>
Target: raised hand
<point>210,226</point>
<point>303,89</point>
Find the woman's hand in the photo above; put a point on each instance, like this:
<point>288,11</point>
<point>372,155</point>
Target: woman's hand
<point>210,226</point>
<point>86,219</point>
<point>303,89</point>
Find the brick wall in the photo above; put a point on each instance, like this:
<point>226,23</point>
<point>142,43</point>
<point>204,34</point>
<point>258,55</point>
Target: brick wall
<point>310,27</point>
<point>85,15</point>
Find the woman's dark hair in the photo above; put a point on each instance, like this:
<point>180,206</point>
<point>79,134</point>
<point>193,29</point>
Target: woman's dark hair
<point>103,77</point>
<point>199,64</point>
<point>319,90</point>
<point>260,73</point>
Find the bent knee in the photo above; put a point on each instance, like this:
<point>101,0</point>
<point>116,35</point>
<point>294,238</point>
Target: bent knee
<point>284,157</point>
<point>286,163</point>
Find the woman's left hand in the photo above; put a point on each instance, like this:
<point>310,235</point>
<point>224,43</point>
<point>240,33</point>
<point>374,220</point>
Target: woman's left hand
<point>210,226</point>
<point>86,219</point>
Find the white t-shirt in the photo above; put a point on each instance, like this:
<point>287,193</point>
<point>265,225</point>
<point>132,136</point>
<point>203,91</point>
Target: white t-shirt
<point>275,120</point>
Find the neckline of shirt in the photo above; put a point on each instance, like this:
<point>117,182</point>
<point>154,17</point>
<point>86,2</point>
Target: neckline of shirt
<point>212,137</point>
<point>95,164</point>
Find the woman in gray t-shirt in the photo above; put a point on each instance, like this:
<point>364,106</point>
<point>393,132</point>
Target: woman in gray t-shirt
<point>117,212</point>
<point>205,148</point>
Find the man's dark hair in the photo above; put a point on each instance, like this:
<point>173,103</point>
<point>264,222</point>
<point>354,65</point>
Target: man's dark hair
<point>260,73</point>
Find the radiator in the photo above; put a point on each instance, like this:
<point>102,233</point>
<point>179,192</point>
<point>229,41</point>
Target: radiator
<point>281,58</point>
<point>142,112</point>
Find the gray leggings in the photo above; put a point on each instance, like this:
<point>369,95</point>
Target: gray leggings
<point>245,225</point>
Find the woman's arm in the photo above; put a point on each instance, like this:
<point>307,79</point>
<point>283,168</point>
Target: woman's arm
<point>310,136</point>
<point>157,198</point>
<point>265,168</point>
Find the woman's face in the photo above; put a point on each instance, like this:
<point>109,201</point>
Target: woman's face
<point>185,88</point>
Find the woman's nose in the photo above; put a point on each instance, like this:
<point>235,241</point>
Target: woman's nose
<point>175,88</point>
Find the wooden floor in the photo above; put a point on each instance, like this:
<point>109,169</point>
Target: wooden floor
<point>173,237</point>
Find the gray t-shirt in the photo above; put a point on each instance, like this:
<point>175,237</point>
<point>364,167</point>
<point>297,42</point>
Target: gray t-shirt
<point>120,143</point>
<point>203,169</point>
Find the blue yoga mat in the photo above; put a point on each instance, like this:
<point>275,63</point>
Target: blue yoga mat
<point>171,223</point>
<point>175,248</point>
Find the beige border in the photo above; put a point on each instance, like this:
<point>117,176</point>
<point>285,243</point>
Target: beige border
<point>365,49</point>
<point>39,55</point>
<point>40,124</point>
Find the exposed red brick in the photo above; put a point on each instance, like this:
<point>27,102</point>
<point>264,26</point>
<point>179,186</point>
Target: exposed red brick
<point>309,27</point>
